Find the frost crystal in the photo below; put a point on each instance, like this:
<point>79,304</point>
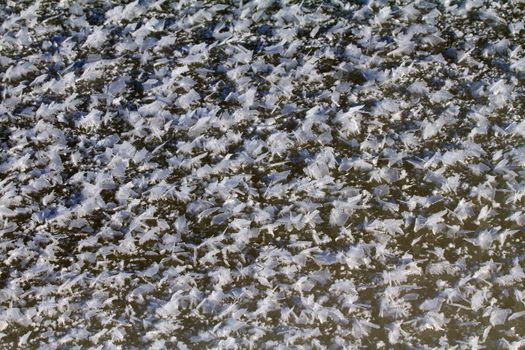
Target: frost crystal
<point>262,174</point>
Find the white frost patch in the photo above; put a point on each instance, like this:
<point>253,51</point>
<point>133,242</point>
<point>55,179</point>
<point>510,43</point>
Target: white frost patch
<point>262,175</point>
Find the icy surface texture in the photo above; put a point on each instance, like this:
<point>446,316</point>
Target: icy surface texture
<point>267,174</point>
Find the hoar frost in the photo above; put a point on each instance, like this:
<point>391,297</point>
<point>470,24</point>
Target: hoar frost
<point>264,174</point>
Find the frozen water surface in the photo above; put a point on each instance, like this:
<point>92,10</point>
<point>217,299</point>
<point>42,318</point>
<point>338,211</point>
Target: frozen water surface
<point>266,174</point>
